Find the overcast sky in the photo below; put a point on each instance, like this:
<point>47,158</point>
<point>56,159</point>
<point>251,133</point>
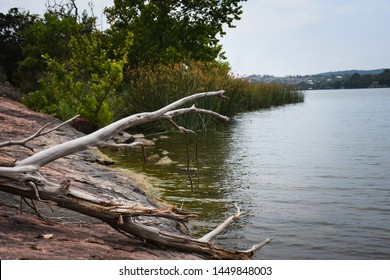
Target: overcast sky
<point>293,37</point>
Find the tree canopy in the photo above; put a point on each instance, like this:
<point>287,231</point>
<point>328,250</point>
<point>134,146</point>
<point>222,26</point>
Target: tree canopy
<point>12,27</point>
<point>171,31</point>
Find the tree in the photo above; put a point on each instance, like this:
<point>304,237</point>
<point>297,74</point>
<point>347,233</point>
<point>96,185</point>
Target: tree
<point>384,78</point>
<point>81,84</point>
<point>66,68</point>
<point>171,31</point>
<point>12,27</point>
<point>50,36</point>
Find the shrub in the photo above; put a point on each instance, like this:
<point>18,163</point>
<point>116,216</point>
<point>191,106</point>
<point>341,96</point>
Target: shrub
<point>83,85</point>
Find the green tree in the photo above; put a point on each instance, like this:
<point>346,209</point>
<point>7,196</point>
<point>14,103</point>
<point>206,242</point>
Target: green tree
<point>170,30</point>
<point>50,36</point>
<point>384,78</point>
<point>84,84</point>
<point>12,27</point>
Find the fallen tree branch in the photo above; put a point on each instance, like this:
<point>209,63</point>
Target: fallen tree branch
<point>127,216</point>
<point>123,145</point>
<point>38,133</point>
<point>93,139</point>
<point>193,109</point>
<point>185,133</point>
<point>222,227</point>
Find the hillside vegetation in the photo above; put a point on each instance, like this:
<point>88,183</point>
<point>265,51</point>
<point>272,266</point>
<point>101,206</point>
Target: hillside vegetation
<point>153,53</point>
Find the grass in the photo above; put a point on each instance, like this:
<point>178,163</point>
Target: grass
<point>148,88</point>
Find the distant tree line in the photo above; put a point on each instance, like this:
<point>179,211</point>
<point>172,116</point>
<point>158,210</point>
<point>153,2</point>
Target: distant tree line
<point>349,82</point>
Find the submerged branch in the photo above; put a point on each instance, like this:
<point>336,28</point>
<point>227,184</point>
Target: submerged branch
<point>222,227</point>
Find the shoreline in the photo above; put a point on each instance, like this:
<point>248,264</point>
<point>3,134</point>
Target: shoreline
<point>73,235</point>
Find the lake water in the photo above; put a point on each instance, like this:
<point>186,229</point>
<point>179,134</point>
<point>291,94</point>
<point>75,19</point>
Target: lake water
<point>313,176</point>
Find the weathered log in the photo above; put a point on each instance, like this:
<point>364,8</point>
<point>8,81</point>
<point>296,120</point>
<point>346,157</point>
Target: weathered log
<point>25,178</point>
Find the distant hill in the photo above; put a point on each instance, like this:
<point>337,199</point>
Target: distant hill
<point>331,80</point>
<point>351,72</point>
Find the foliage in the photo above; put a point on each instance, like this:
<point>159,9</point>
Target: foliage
<point>384,78</point>
<point>248,96</point>
<point>169,48</point>
<point>148,87</point>
<point>172,31</point>
<point>50,36</point>
<point>83,85</point>
<point>12,29</point>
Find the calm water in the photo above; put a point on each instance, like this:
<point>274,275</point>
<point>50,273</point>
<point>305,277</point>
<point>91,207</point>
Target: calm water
<point>314,176</point>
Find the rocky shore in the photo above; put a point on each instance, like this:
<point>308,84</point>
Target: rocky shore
<point>60,233</point>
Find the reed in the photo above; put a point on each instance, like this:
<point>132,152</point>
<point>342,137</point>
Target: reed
<point>149,87</point>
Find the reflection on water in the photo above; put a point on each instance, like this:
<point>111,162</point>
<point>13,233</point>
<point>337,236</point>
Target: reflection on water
<point>314,176</point>
<point>210,199</point>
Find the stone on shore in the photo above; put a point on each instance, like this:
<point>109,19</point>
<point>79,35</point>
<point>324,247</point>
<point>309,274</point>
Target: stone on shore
<point>165,161</point>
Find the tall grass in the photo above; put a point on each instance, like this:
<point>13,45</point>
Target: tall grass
<point>148,88</point>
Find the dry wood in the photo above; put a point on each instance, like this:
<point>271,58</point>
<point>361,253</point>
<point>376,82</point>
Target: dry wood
<point>24,178</point>
<point>222,227</point>
<point>122,145</point>
<point>38,133</point>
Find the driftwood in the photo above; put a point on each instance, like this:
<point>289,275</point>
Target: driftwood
<point>25,179</point>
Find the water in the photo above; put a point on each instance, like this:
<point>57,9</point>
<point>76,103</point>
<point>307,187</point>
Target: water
<point>314,176</point>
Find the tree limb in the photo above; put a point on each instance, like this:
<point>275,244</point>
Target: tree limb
<point>38,133</point>
<point>25,179</point>
<point>222,227</point>
<point>93,139</point>
<point>123,145</point>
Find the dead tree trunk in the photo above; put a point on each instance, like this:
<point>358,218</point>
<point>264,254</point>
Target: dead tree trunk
<point>24,178</point>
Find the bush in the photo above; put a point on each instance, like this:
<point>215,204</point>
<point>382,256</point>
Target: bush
<point>85,84</point>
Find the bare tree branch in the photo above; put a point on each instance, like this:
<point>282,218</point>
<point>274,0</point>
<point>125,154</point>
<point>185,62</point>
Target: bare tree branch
<point>123,145</point>
<point>38,133</point>
<point>93,139</point>
<point>25,179</point>
<point>222,227</point>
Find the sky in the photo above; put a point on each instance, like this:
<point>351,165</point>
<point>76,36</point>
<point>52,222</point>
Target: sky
<point>292,37</point>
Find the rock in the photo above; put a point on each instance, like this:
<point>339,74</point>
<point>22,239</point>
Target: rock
<point>146,142</point>
<point>154,158</point>
<point>6,160</point>
<point>85,126</point>
<point>7,90</point>
<point>165,161</point>
<point>106,162</point>
<point>26,237</point>
<point>164,152</point>
<point>46,236</point>
<point>123,138</point>
<point>129,140</point>
<point>66,234</point>
<point>139,135</point>
<point>96,156</point>
<point>126,138</point>
<point>163,137</point>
